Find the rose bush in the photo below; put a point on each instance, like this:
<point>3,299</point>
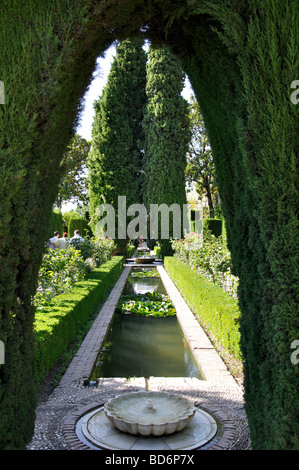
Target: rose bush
<point>208,256</point>
<point>60,269</point>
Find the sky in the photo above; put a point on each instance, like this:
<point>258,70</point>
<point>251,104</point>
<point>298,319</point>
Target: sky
<point>95,89</point>
<point>100,77</point>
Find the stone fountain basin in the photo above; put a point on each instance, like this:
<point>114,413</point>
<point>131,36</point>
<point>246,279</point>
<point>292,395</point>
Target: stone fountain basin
<point>144,260</point>
<point>149,413</point>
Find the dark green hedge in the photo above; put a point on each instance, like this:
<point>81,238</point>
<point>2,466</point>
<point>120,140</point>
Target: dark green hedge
<point>212,306</point>
<point>214,225</point>
<point>57,325</point>
<point>81,224</point>
<point>56,224</point>
<point>130,250</point>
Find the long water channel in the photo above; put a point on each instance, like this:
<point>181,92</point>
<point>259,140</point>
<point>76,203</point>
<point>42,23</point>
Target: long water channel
<point>144,346</point>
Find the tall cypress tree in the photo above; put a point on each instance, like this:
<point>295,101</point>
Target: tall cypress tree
<point>167,134</point>
<point>117,136</point>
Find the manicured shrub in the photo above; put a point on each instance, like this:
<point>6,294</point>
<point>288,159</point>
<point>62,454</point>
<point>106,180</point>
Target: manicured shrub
<point>213,225</point>
<point>157,250</point>
<point>130,250</point>
<point>57,323</point>
<point>56,224</point>
<point>212,306</point>
<point>81,224</point>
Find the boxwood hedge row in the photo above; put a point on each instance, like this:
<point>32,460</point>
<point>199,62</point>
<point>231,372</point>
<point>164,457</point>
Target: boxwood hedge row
<point>211,305</point>
<point>57,324</point>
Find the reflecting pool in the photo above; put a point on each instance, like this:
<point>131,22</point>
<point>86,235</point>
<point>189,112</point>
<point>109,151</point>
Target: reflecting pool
<point>145,346</point>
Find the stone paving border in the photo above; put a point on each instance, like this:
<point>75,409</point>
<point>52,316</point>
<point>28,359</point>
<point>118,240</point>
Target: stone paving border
<point>81,366</point>
<point>219,394</point>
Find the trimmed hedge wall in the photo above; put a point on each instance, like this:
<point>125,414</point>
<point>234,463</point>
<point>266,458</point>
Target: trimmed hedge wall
<point>57,325</point>
<point>79,223</point>
<point>130,250</point>
<point>219,312</point>
<point>214,225</point>
<point>56,224</point>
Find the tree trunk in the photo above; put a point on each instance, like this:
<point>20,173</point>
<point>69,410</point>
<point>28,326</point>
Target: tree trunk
<point>206,185</point>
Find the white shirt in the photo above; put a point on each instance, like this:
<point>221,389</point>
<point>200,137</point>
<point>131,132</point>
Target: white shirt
<point>61,243</point>
<point>77,237</point>
<point>53,240</point>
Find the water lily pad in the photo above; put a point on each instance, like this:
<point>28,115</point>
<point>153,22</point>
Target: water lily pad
<point>151,303</point>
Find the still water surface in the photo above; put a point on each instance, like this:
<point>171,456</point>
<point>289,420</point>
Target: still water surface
<point>145,346</point>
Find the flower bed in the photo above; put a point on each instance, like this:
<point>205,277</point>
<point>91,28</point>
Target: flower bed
<point>61,269</point>
<point>215,309</point>
<point>57,323</point>
<point>209,256</point>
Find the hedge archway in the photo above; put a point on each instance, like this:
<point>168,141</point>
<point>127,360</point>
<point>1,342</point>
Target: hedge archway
<point>241,58</point>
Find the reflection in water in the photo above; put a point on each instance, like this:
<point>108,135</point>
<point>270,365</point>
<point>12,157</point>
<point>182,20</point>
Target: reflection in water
<point>145,346</point>
<point>143,285</point>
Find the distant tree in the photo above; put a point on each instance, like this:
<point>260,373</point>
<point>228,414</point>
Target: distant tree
<point>200,170</point>
<point>72,186</point>
<point>167,134</point>
<point>115,160</point>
